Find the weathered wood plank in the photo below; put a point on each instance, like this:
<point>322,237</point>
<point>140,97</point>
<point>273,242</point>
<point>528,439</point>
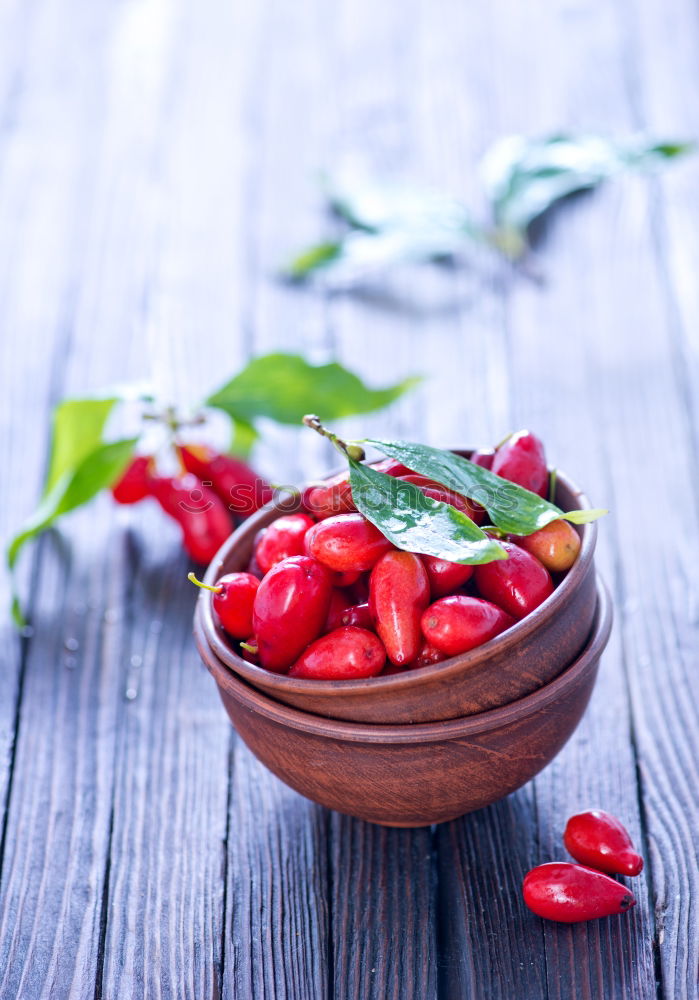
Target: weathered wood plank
<point>383,911</point>
<point>550,338</point>
<point>661,70</point>
<point>276,923</point>
<point>170,767</point>
<point>276,929</point>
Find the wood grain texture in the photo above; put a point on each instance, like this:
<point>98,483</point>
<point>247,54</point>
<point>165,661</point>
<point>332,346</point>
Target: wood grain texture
<point>156,165</point>
<point>276,932</point>
<point>383,912</point>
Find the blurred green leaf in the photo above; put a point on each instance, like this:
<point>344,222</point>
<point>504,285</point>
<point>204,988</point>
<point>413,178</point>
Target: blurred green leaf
<point>525,177</point>
<point>78,425</point>
<point>243,438</point>
<point>92,473</point>
<point>284,387</point>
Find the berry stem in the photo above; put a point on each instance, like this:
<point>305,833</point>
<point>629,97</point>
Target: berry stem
<point>350,451</point>
<point>204,586</point>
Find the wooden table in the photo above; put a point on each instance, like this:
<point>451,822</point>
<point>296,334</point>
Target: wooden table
<point>156,163</point>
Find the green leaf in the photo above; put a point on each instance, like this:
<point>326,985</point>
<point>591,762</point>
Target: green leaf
<point>312,259</point>
<point>390,224</point>
<point>243,439</point>
<point>584,516</point>
<point>284,387</point>
<point>97,470</point>
<point>512,508</point>
<point>524,177</point>
<point>78,425</point>
<point>417,523</point>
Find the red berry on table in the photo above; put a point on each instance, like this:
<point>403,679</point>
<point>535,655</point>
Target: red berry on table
<point>346,542</point>
<point>134,484</point>
<point>399,591</point>
<point>458,623</point>
<point>522,460</point>
<point>347,653</point>
<point>234,596</point>
<point>201,514</point>
<point>238,486</point>
<point>600,840</point>
<point>281,539</point>
<point>290,610</point>
<point>518,584</point>
<point>570,893</point>
<point>556,545</point>
<point>445,577</point>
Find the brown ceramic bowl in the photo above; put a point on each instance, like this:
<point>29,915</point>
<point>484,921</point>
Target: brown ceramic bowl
<point>420,774</point>
<point>508,667</point>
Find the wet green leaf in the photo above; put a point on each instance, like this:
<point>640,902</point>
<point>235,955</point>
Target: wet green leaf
<point>417,523</point>
<point>511,508</point>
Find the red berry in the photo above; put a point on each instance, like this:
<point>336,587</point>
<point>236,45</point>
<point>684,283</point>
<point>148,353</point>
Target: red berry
<point>456,624</point>
<point>427,656</point>
<point>202,516</point>
<point>334,496</point>
<point>399,591</point>
<point>238,486</point>
<point>330,498</point>
<point>556,546</point>
<point>346,542</point>
<point>483,457</point>
<point>347,579</point>
<point>134,483</point>
<point>346,654</point>
<point>518,584</point>
<point>234,596</point>
<point>339,603</point>
<point>248,651</point>
<point>522,460</point>
<point>571,893</point>
<point>290,610</point>
<point>283,538</point>
<point>597,839</point>
<point>445,577</point>
<point>359,615</point>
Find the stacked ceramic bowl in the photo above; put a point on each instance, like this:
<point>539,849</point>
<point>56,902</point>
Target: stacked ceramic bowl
<point>432,743</point>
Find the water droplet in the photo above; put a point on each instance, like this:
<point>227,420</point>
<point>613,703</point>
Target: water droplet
<point>131,693</point>
<point>70,662</point>
<point>72,645</point>
<point>136,660</point>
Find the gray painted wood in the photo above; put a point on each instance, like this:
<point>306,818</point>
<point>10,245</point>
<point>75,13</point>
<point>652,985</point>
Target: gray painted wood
<point>144,851</point>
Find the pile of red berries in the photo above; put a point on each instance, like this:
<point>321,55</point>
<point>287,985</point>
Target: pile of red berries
<point>327,596</point>
<point>211,492</point>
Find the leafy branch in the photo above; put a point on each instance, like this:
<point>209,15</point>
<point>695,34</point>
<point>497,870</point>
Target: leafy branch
<point>85,458</point>
<point>523,178</point>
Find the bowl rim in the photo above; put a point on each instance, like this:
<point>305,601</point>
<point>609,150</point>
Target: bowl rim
<point>459,664</point>
<point>253,700</point>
